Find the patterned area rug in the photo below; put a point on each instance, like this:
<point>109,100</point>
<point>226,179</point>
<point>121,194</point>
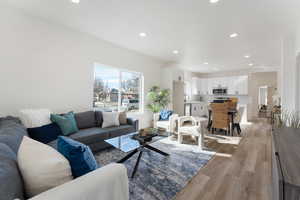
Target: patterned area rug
<point>159,177</point>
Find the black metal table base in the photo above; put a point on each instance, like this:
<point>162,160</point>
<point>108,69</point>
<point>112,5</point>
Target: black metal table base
<point>140,150</point>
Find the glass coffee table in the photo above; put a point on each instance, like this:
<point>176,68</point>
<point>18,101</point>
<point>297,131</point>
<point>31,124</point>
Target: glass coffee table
<point>135,143</point>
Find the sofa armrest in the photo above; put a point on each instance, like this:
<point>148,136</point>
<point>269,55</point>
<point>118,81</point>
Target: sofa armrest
<point>109,182</point>
<point>134,123</point>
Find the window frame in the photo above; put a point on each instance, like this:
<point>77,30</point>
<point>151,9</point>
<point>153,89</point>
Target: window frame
<point>120,71</point>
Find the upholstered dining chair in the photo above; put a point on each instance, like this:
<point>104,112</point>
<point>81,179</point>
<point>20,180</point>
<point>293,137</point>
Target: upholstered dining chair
<point>220,117</point>
<point>169,125</point>
<point>238,119</point>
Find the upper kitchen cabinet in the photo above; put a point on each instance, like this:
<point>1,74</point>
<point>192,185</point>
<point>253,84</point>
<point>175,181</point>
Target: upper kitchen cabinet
<point>195,86</point>
<point>241,85</point>
<point>236,85</point>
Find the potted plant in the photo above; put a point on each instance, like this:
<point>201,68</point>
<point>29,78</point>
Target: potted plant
<point>158,99</point>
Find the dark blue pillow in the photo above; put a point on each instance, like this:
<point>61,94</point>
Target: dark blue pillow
<point>165,115</point>
<point>80,156</point>
<point>45,134</point>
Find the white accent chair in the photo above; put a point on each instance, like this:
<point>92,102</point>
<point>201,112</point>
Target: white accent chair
<point>168,125</point>
<point>193,128</point>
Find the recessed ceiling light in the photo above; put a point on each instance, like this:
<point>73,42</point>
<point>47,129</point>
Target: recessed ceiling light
<point>143,34</point>
<point>75,1</point>
<point>206,63</point>
<point>250,64</point>
<point>176,52</point>
<point>247,56</point>
<point>213,1</point>
<point>233,35</point>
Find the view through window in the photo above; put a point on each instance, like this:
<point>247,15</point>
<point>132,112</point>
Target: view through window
<point>117,89</point>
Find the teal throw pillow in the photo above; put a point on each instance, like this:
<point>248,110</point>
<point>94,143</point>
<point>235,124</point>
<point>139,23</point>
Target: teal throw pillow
<point>66,122</point>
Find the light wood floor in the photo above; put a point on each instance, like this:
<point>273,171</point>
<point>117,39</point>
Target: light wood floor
<point>237,172</point>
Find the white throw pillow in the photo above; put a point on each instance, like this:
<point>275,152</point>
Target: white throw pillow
<point>32,118</point>
<point>42,167</point>
<point>110,119</point>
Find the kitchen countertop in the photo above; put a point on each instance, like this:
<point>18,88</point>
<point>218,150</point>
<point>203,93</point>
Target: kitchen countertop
<point>195,102</point>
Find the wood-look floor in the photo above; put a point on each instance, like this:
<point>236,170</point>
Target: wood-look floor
<point>237,172</point>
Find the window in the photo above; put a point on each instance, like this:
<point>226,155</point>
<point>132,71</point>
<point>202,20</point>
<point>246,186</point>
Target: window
<point>117,89</point>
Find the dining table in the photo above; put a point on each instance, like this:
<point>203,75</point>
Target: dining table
<point>231,112</point>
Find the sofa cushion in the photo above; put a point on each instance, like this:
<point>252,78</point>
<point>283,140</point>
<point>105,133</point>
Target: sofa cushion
<point>11,183</point>
<point>165,114</point>
<point>85,119</point>
<point>45,134</point>
<point>66,122</point>
<point>120,130</point>
<point>11,134</point>
<point>123,118</point>
<point>80,156</point>
<point>32,118</point>
<point>91,135</point>
<point>9,119</point>
<point>110,119</point>
<point>53,144</point>
<point>42,167</point>
<point>99,118</point>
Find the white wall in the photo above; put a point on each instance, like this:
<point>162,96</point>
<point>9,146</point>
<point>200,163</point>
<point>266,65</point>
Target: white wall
<point>288,73</point>
<point>256,80</point>
<point>44,65</point>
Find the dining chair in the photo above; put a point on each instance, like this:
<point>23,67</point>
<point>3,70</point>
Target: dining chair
<point>220,117</point>
<point>237,120</point>
<point>233,101</point>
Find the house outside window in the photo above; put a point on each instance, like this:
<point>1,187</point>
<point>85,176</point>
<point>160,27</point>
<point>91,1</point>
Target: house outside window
<point>117,89</point>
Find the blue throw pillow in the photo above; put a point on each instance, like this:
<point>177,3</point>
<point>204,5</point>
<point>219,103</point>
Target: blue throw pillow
<point>45,134</point>
<point>165,115</point>
<point>66,122</point>
<point>80,156</point>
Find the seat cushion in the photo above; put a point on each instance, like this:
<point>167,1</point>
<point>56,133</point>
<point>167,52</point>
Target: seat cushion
<point>85,119</point>
<point>90,135</point>
<point>163,124</point>
<point>11,183</point>
<point>45,134</point>
<point>80,156</point>
<point>119,130</point>
<point>53,144</point>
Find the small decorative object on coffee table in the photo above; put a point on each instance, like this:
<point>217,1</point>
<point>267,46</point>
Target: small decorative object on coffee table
<point>134,143</point>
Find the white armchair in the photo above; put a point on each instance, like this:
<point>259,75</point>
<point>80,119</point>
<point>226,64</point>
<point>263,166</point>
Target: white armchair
<point>169,125</point>
<point>188,125</point>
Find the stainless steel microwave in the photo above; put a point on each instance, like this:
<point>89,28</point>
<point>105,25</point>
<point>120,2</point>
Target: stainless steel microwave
<point>219,91</point>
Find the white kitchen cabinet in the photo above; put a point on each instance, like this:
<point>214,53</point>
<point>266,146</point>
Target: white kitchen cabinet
<point>236,85</point>
<point>203,86</point>
<point>195,86</point>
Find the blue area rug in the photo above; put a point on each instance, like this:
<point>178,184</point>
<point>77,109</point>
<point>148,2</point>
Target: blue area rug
<point>159,177</point>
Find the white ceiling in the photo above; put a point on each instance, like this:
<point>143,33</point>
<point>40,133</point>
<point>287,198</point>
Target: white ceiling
<point>198,29</point>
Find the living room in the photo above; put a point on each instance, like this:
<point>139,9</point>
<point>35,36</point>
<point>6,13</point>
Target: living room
<point>136,89</point>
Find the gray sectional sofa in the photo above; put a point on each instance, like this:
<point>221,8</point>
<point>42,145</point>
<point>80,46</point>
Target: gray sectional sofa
<point>12,132</point>
<point>91,133</point>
